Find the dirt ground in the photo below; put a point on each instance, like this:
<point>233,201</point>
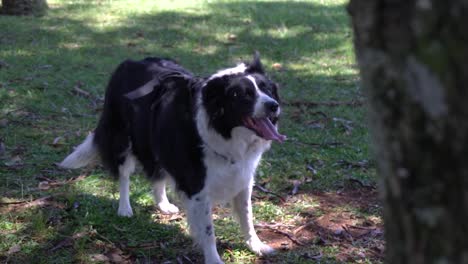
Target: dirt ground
<point>347,220</point>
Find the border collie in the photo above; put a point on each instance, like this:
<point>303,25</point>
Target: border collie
<point>206,134</point>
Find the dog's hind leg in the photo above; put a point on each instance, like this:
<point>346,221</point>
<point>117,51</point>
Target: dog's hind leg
<point>160,197</point>
<point>201,226</point>
<point>125,170</point>
<point>242,207</point>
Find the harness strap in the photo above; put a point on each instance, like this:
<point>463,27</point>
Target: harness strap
<point>143,90</point>
<point>149,86</point>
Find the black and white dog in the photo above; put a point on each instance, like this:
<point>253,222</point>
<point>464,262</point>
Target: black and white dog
<point>206,134</point>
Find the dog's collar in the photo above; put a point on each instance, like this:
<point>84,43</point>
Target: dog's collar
<point>224,157</point>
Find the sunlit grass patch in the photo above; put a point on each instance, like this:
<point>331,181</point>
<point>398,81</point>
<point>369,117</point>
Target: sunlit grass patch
<point>79,43</point>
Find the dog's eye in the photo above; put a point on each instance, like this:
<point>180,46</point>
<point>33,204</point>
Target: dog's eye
<point>251,93</point>
<point>234,94</point>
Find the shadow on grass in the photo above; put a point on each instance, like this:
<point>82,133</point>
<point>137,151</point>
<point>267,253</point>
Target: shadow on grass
<point>79,45</point>
<point>50,55</point>
<point>72,226</point>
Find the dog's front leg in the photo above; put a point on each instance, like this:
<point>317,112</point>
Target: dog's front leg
<point>201,226</point>
<point>242,206</point>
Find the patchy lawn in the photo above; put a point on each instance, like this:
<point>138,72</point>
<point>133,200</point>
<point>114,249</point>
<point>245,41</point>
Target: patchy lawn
<point>315,199</point>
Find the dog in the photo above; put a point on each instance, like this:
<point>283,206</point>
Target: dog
<point>206,135</point>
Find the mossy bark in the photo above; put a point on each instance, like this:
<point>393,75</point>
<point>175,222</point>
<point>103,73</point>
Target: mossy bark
<point>413,59</point>
<point>24,7</point>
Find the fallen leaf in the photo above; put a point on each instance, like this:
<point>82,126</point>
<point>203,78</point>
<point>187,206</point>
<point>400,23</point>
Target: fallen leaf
<point>63,243</point>
<point>44,185</point>
<point>277,66</point>
<point>115,255</point>
<point>15,161</point>
<point>13,249</point>
<point>100,258</point>
<point>56,141</point>
<point>232,37</point>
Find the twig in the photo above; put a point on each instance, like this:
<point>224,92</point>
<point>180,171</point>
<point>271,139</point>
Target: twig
<point>291,237</point>
<point>325,103</point>
<point>148,245</point>
<point>325,144</point>
<point>48,183</point>
<point>272,225</point>
<point>350,164</point>
<point>69,241</point>
<point>362,227</point>
<point>105,238</point>
<point>81,92</point>
<point>297,230</point>
<point>270,192</point>
<point>28,203</point>
<point>345,227</point>
<point>11,112</point>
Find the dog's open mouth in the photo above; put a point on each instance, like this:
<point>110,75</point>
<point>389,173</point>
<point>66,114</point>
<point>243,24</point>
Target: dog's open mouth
<point>264,128</point>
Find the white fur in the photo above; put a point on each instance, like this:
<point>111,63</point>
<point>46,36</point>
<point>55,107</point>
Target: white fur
<point>201,226</point>
<point>259,109</point>
<point>125,170</point>
<point>230,166</point>
<point>84,154</point>
<point>240,68</point>
<point>160,198</point>
<point>242,209</point>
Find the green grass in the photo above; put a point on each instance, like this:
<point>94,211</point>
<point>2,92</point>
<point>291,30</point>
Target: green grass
<point>79,43</point>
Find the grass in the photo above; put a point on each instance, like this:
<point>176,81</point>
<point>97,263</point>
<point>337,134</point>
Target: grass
<point>77,44</point>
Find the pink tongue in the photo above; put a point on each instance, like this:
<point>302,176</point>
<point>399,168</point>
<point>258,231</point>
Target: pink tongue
<point>267,130</point>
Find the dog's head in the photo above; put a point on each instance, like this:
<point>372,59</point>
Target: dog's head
<point>243,96</point>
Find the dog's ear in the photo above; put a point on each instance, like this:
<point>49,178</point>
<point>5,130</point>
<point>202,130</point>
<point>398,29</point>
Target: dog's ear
<point>214,91</point>
<point>256,65</point>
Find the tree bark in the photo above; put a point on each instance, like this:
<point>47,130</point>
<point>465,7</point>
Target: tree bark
<point>24,7</point>
<point>413,60</point>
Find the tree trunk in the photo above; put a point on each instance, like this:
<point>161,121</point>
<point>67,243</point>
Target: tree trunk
<point>413,59</point>
<point>24,7</point>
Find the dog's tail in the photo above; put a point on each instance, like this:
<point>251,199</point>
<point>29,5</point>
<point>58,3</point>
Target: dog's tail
<point>84,154</point>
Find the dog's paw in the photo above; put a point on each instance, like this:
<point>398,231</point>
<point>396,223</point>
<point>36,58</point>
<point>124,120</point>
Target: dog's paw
<point>167,208</point>
<point>260,248</point>
<point>125,211</point>
<point>213,260</point>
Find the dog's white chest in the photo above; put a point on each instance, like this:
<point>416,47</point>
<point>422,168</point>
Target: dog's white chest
<point>233,170</point>
<point>226,178</point>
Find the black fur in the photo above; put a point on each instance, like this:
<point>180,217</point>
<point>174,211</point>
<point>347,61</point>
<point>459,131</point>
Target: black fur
<point>152,124</point>
<point>160,128</point>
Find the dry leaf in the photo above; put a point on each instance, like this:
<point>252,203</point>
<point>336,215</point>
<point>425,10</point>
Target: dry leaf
<point>99,258</point>
<point>232,37</point>
<point>14,249</point>
<point>15,161</point>
<point>44,185</point>
<point>277,66</point>
<point>56,141</point>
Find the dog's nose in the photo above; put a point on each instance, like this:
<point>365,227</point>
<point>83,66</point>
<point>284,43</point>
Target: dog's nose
<point>272,106</point>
